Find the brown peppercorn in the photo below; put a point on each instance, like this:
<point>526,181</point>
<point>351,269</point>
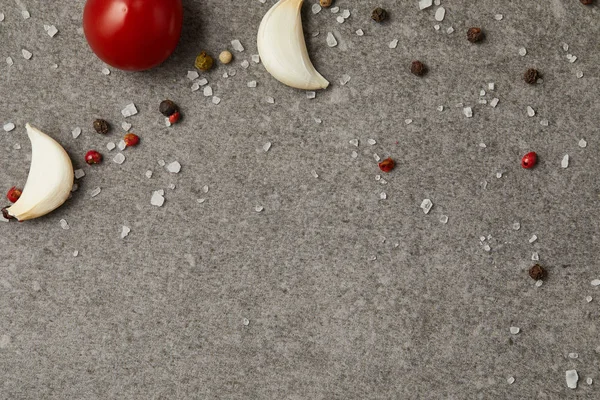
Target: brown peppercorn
<point>101,126</point>
<point>587,2</point>
<point>537,272</point>
<point>325,3</point>
<point>167,108</point>
<point>204,62</point>
<point>531,76</point>
<point>418,68</point>
<point>379,15</point>
<point>475,35</point>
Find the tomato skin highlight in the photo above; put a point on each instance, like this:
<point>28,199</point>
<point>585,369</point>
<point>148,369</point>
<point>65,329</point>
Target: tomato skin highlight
<point>133,35</point>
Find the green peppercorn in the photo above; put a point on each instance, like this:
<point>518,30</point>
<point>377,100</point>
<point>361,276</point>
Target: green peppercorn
<point>204,62</point>
<point>101,126</point>
<point>167,108</point>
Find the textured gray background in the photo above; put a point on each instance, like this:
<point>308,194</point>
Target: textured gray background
<point>159,315</point>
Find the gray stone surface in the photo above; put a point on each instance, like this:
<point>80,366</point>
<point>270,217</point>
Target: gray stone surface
<point>161,313</point>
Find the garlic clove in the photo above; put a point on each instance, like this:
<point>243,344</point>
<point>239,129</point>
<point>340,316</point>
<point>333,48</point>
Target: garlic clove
<point>50,178</point>
<point>282,48</point>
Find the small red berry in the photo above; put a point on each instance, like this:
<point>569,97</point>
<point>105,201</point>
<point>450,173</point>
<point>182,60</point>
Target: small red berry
<point>131,139</point>
<point>13,194</point>
<point>387,165</point>
<point>93,157</point>
<point>173,118</point>
<point>529,160</point>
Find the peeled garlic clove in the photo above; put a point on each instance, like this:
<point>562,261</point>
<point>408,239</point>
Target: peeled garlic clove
<point>50,178</point>
<point>282,48</point>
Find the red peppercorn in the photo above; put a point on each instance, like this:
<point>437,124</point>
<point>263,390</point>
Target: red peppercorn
<point>13,194</point>
<point>173,118</point>
<point>93,157</point>
<point>387,165</point>
<point>131,139</point>
<point>529,160</point>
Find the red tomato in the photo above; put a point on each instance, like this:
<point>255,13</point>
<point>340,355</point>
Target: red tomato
<point>133,34</point>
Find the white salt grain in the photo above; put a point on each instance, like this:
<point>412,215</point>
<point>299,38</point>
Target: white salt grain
<point>174,167</point>
<point>468,111</point>
<point>121,145</point>
<point>544,122</point>
<point>589,381</point>
<point>408,121</point>
<point>522,51</point>
<point>167,122</point>
<point>195,86</point>
<point>64,224</point>
<point>51,30</point>
<point>200,201</point>
<point>498,17</point>
<point>270,100</point>
<point>204,81</point>
<point>510,380</point>
<point>245,64</point>
<point>360,32</point>
<point>252,84</point>
<point>79,173</point>
<point>582,143</point>
<point>436,27</point>
<point>126,126</point>
<point>9,61</point>
<point>26,54</point>
<point>129,110</point>
<point>535,256</point>
<point>25,14</point>
<point>216,100</point>
<point>376,157</point>
<point>105,71</point>
<point>579,74</point>
<point>382,195</point>
<point>481,93</point>
<point>256,58</point>
<point>565,161</point>
<point>334,10</point>
<point>316,8</point>
<point>258,208</point>
<point>119,158</point>
<point>205,189</point>
<point>516,226</point>
<point>595,282</point>
<point>110,146</point>
<point>515,330</point>
<point>440,108</point>
<point>75,253</point>
<point>482,145</point>
<point>444,219</point>
<point>494,102</point>
<point>266,146</point>
<point>95,192</point>
<point>125,231</point>
<point>345,79</point>
<point>530,111</point>
<point>533,238</point>
<point>498,175</point>
<point>1,17</point>
<point>423,4</point>
<point>346,13</point>
<point>76,132</point>
<point>157,199</point>
<point>588,299</point>
<point>572,377</point>
<point>353,142</point>
<point>450,30</point>
<point>191,75</point>
<point>491,86</point>
<point>317,120</point>
<point>311,94</point>
<point>208,91</point>
<point>148,174</point>
<point>354,154</point>
<point>426,205</point>
<point>565,47</point>
<point>237,45</point>
<point>331,41</point>
<point>161,163</point>
<point>340,20</point>
<point>393,44</point>
<point>573,356</point>
<point>539,283</point>
<point>245,321</point>
<point>372,142</point>
<point>440,13</point>
<point>17,146</point>
<point>314,174</point>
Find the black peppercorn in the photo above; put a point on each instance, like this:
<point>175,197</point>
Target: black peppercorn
<point>379,14</point>
<point>167,108</point>
<point>531,76</point>
<point>537,272</point>
<point>475,35</point>
<point>101,126</point>
<point>418,68</point>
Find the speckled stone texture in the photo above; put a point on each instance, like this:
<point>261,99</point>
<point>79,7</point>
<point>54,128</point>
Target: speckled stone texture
<point>160,314</point>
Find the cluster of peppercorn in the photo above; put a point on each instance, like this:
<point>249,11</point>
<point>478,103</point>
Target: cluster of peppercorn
<point>103,127</point>
<point>170,110</point>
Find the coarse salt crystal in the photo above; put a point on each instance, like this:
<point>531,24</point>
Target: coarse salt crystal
<point>314,174</point>
<point>26,54</point>
<point>360,32</point>
<point>482,101</point>
<point>174,167</point>
<point>195,86</point>
<point>125,231</point>
<point>25,14</point>
<point>17,146</point>
<point>316,8</point>
<point>76,132</point>
<point>9,126</point>
<point>535,256</point>
<point>565,47</point>
<point>408,121</point>
<point>79,173</point>
<point>252,84</point>
<point>121,145</point>
<point>522,51</point>
<point>266,146</point>
<point>105,71</point>
<point>245,64</point>
<point>481,93</point>
<point>205,189</point>
<point>426,205</point>
<point>334,10</point>
<point>1,17</point>
<point>311,94</point>
<point>450,30</point>
<point>468,111</point>
<point>444,219</point>
<point>331,41</point>
<point>216,100</point>
<point>436,27</point>
<point>346,13</point>
<point>201,200</point>
<point>9,61</point>
<point>148,174</point>
<point>317,120</point>
<point>595,282</point>
<point>494,102</point>
<point>574,356</point>
<point>110,146</point>
<point>353,142</point>
<point>544,122</point>
<point>571,377</point>
<point>589,381</point>
<point>237,45</point>
<point>440,108</point>
<point>340,20</point>
<point>129,110</point>
<point>372,142</point>
<point>498,175</point>
<point>204,81</point>
<point>565,161</point>
<point>588,299</point>
<point>582,143</point>
<point>95,192</point>
<point>382,195</point>
<point>119,158</point>
<point>161,163</point>
<point>256,58</point>
<point>440,13</point>
<point>354,154</point>
<point>491,86</point>
<point>498,17</point>
<point>126,126</point>
<point>539,283</point>
<point>376,157</point>
<point>246,321</point>
<point>270,100</point>
<point>533,238</point>
<point>579,74</point>
<point>208,91</point>
<point>51,30</point>
<point>393,44</point>
<point>345,79</point>
<point>157,199</point>
<point>423,4</point>
<point>515,330</point>
<point>75,253</point>
<point>530,111</point>
<point>482,145</point>
<point>64,224</point>
<point>191,75</point>
<point>510,380</point>
<point>516,226</point>
<point>258,208</point>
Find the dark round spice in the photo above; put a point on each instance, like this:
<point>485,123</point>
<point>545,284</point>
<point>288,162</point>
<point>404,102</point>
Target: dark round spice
<point>475,35</point>
<point>587,2</point>
<point>379,15</point>
<point>537,272</point>
<point>418,68</point>
<point>101,126</point>
<point>531,76</point>
<point>167,108</point>
<point>325,3</point>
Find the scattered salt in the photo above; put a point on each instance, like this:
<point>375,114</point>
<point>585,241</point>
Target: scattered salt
<point>126,126</point>
<point>522,51</point>
<point>565,161</point>
<point>252,84</point>
<point>1,17</point>
<point>498,175</point>
<point>346,13</point>
<point>340,20</point>
<point>345,79</point>
<point>582,143</point>
<point>450,30</point>
<point>494,102</point>
<point>565,47</point>
<point>255,58</point>
<point>359,32</point>
<point>533,238</point>
<point>376,157</point>
<point>353,142</point>
<point>119,158</point>
<point>314,174</point>
<point>204,81</point>
<point>574,356</point>
<point>174,167</point>
<point>530,111</point>
<point>468,111</point>
<point>311,94</point>
<point>354,154</point>
<point>595,282</point>
<point>372,142</point>
<point>95,192</point>
<point>121,145</point>
<point>572,377</point>
<point>110,146</point>
<point>316,8</point>
<point>17,146</point>
<point>579,74</point>
<point>334,10</point>
<point>64,224</point>
<point>393,44</point>
<point>408,121</point>
<point>589,381</point>
<point>129,110</point>
<point>25,14</point>
<point>498,17</point>
<point>588,299</point>
<point>426,205</point>
<point>125,231</point>
<point>481,93</point>
<point>382,195</point>
<point>246,322</point>
<point>26,54</point>
<point>148,174</point>
<point>440,13</point>
<point>195,86</point>
<point>544,122</point>
<point>79,173</point>
<point>266,146</point>
<point>535,256</point>
<point>205,189</point>
<point>237,45</point>
<point>208,91</point>
<point>539,283</point>
<point>270,100</point>
<point>201,200</point>
<point>9,61</point>
<point>440,108</point>
<point>444,219</point>
<point>191,75</point>
<point>258,208</point>
<point>510,380</point>
<point>161,163</point>
<point>51,30</point>
<point>331,41</point>
<point>491,86</point>
<point>157,198</point>
<point>515,330</point>
<point>423,4</point>
<point>436,27</point>
<point>516,226</point>
<point>216,100</point>
<point>75,253</point>
<point>317,120</point>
